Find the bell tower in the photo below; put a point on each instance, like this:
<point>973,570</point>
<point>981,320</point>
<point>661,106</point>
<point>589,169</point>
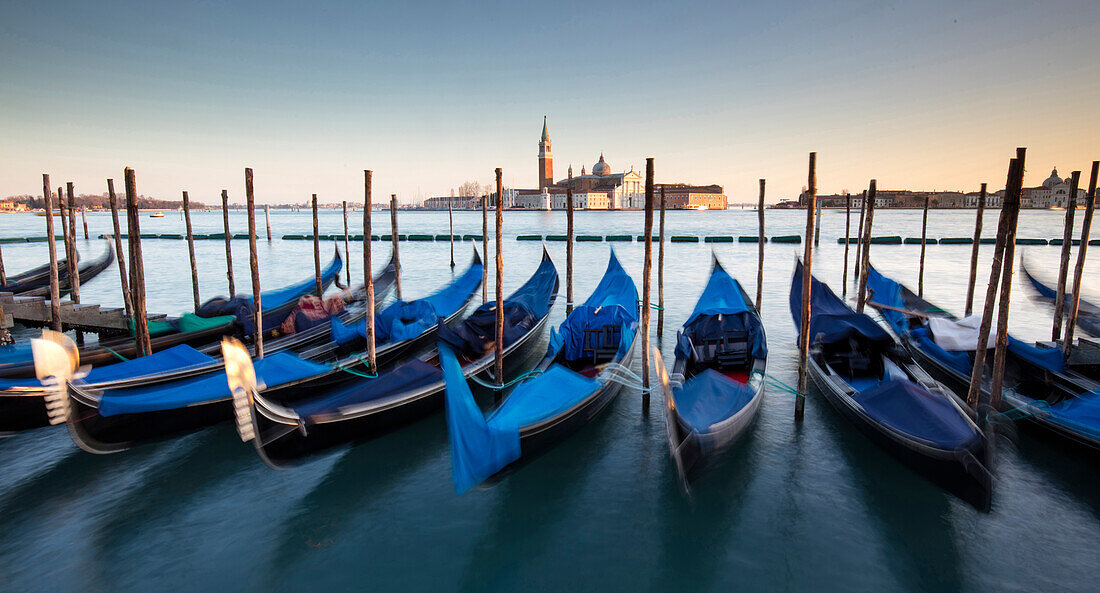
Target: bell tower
<point>546,158</point>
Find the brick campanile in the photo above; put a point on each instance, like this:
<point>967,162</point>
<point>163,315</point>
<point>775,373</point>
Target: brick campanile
<point>546,158</point>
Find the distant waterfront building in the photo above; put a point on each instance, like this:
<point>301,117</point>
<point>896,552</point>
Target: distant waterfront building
<point>603,189</point>
<point>1053,193</point>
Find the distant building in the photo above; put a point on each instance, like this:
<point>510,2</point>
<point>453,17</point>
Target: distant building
<point>1053,193</point>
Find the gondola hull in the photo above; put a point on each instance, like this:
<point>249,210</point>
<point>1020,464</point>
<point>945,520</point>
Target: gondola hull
<point>963,475</point>
<point>297,444</point>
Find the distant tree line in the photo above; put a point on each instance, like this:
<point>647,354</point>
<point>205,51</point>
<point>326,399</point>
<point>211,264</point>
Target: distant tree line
<point>102,202</point>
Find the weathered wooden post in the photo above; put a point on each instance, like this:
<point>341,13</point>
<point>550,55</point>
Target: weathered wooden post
<point>317,251</point>
<point>253,262</point>
<point>119,256</point>
<point>923,246</point>
<point>990,303</point>
<point>191,251</point>
<point>647,266</point>
<point>368,278</point>
<point>228,244</point>
<point>451,226</point>
<point>974,253</point>
<point>661,269</point>
<point>1063,266</point>
<point>55,289</point>
<point>498,368</point>
<point>74,268</point>
<point>396,255</point>
<point>1006,287</point>
<point>267,216</point>
<point>859,235</point>
<point>63,208</point>
<point>865,258</point>
<point>817,228</point>
<point>137,269</point>
<point>1079,269</point>
<point>347,248</point>
<point>3,275</point>
<point>847,240</point>
<point>807,276</point>
<point>84,219</point>
<point>569,250</point>
<point>760,250</point>
<point>485,249</point>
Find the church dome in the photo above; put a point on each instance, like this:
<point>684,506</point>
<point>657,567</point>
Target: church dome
<point>601,168</point>
<point>1053,180</point>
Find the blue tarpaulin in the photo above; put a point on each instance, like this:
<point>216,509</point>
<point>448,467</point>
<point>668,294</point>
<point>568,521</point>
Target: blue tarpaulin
<point>722,295</point>
<point>1051,359</point>
<point>406,320</point>
<point>915,411</point>
<point>885,291</point>
<point>1081,413</point>
<point>271,371</point>
<point>831,320</point>
<point>614,302</point>
<point>175,358</point>
<point>408,376</point>
<point>710,397</point>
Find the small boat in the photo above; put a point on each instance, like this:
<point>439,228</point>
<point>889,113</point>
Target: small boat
<point>879,388</point>
<point>717,381</point>
<point>284,433</point>
<point>695,207</point>
<point>111,420</point>
<point>1088,314</point>
<point>575,380</point>
<point>157,215</point>
<point>21,400</point>
<point>36,281</point>
<point>1058,398</point>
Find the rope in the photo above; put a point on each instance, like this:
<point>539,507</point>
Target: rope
<point>120,357</point>
<point>777,384</point>
<point>651,305</point>
<point>341,367</point>
<point>524,376</point>
<point>630,380</point>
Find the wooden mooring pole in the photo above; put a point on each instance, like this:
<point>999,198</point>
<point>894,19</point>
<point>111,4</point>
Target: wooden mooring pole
<point>396,253</point>
<point>84,220</point>
<point>498,367</point>
<point>817,229</point>
<point>568,250</point>
<point>191,250</point>
<point>661,268</point>
<point>137,268</point>
<point>55,290</point>
<point>253,262</point>
<point>1005,298</point>
<point>847,241</point>
<point>859,235</point>
<point>228,245</point>
<point>69,231</point>
<point>974,253</point>
<point>347,247</point>
<point>978,370</point>
<point>120,257</point>
<point>807,276</point>
<point>760,250</point>
<point>1063,265</point>
<point>317,251</point>
<point>485,249</point>
<point>368,278</point>
<point>267,217</point>
<point>451,226</point>
<point>865,257</point>
<point>647,266</point>
<point>1079,269</point>
<point>923,246</point>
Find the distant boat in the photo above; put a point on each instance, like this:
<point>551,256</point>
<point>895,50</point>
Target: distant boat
<point>695,207</point>
<point>157,215</point>
<point>1057,208</point>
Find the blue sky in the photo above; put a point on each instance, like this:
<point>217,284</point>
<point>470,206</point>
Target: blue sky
<point>925,95</point>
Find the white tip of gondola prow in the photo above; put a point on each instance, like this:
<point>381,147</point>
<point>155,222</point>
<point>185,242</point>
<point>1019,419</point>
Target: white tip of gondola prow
<point>56,358</point>
<point>242,384</point>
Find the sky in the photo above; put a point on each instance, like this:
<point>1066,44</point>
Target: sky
<point>921,95</point>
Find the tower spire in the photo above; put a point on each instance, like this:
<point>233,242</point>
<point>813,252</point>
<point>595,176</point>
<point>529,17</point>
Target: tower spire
<point>545,129</point>
<point>546,158</point>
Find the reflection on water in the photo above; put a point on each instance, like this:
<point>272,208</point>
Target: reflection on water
<point>810,507</point>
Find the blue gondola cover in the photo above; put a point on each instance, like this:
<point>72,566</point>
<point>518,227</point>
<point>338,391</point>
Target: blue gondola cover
<point>831,320</point>
<point>710,397</point>
<point>913,410</point>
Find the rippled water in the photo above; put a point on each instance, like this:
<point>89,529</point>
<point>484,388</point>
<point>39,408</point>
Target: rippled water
<point>793,507</point>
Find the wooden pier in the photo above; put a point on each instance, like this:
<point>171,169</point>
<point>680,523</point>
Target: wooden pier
<point>35,312</point>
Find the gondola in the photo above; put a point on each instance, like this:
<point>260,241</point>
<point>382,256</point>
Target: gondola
<point>1059,398</point>
<point>284,433</point>
<point>876,385</point>
<point>1088,314</point>
<point>576,379</point>
<point>36,282</point>
<point>717,381</point>
<point>22,405</point>
<point>215,318</point>
<point>112,420</point>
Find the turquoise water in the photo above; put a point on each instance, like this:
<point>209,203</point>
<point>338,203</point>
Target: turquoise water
<point>794,507</point>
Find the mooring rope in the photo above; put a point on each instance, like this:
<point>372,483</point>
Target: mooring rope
<point>341,367</point>
<point>495,387</point>
<point>771,381</point>
<point>120,357</point>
